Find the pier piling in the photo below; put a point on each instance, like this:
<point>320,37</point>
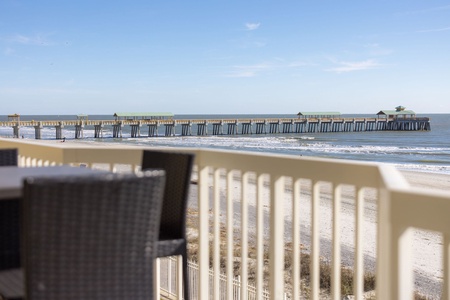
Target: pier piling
<point>117,130</point>
<point>274,127</point>
<point>135,130</point>
<point>186,129</point>
<point>261,127</point>
<point>37,131</point>
<point>202,128</point>
<point>98,130</point>
<point>246,128</point>
<point>217,128</point>
<point>232,128</point>
<point>153,129</point>
<point>79,131</point>
<point>169,129</point>
<point>16,131</point>
<point>287,127</point>
<point>59,130</point>
<point>299,127</point>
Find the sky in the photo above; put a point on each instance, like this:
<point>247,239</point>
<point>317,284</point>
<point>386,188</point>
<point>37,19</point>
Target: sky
<point>223,56</point>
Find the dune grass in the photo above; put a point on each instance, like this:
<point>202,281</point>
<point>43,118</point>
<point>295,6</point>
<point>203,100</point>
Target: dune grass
<point>347,273</point>
<point>325,267</point>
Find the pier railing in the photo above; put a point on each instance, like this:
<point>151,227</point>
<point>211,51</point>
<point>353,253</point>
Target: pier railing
<point>251,209</point>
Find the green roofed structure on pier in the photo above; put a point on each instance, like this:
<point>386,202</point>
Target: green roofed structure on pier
<point>143,116</point>
<point>398,113</point>
<point>327,114</point>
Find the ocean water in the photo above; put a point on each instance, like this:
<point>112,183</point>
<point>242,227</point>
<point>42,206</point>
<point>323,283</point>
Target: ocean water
<point>408,150</point>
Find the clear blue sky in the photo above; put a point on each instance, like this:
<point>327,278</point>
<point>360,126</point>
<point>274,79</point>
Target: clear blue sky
<point>222,56</point>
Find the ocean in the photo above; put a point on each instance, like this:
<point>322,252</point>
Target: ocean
<point>427,151</point>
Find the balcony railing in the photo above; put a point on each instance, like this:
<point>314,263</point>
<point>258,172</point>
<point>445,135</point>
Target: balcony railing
<point>253,208</point>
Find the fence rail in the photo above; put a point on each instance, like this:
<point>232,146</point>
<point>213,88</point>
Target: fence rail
<point>261,200</point>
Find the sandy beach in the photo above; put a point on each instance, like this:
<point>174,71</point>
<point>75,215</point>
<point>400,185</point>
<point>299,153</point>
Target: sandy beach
<point>428,180</point>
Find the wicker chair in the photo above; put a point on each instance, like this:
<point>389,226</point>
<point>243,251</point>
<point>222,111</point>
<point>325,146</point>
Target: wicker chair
<point>91,237</point>
<point>172,233</point>
<point>8,157</point>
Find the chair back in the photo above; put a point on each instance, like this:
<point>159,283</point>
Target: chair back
<point>8,157</point>
<point>178,167</point>
<point>91,237</point>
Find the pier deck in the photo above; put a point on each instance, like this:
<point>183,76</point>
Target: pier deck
<point>226,126</point>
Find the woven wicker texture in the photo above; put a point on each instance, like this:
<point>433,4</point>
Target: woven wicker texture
<point>8,157</point>
<point>172,234</point>
<point>9,237</point>
<point>9,214</point>
<point>91,237</point>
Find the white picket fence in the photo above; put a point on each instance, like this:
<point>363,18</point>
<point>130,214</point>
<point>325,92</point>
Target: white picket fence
<point>168,282</point>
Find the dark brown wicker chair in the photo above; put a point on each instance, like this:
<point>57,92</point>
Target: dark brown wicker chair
<point>8,157</point>
<point>91,237</point>
<point>172,233</point>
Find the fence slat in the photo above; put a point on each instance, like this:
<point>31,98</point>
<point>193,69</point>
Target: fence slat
<point>217,236</point>
<point>230,229</point>
<point>244,233</point>
<point>358,278</point>
<point>203,215</point>
<point>276,250</point>
<point>336,266</point>
<point>296,240</point>
<point>315,242</point>
<point>259,236</point>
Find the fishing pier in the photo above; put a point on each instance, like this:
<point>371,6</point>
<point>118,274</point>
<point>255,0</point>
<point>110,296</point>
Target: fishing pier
<point>166,126</point>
